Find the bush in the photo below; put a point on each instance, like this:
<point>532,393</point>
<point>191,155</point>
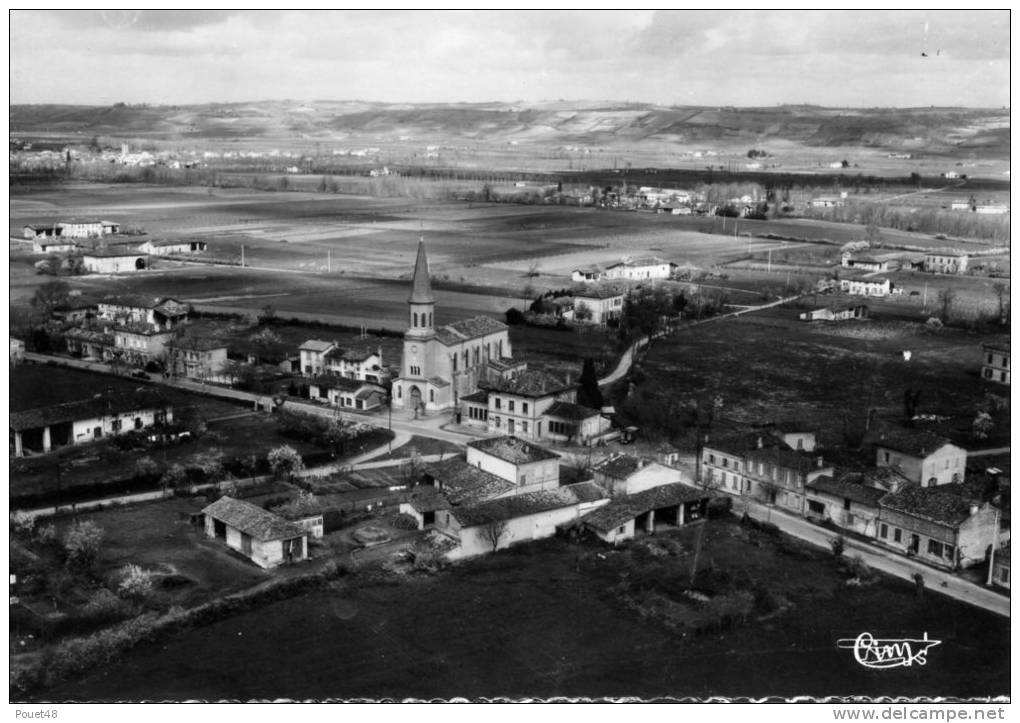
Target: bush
<point>404,521</point>
<point>837,544</point>
<point>46,535</point>
<point>136,583</point>
<point>81,544</point>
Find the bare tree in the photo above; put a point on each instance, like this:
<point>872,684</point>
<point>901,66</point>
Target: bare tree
<point>493,531</point>
<point>1001,290</point>
<point>946,297</point>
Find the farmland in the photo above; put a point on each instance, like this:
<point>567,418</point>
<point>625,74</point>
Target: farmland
<point>553,619</point>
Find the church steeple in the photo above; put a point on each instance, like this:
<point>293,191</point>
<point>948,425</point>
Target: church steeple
<point>422,303</point>
<point>421,288</point>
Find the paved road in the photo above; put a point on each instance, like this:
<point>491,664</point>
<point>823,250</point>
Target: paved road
<point>880,559</point>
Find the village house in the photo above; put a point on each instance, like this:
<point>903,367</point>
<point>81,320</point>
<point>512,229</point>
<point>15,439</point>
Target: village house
<point>167,247</point>
<point>780,476</point>
<point>440,365</point>
<point>961,205</point>
<point>313,353</point>
<point>845,500</point>
<point>195,357</point>
<point>45,428</point>
<point>113,261</point>
<point>38,231</point>
<point>17,351</point>
<point>530,467</point>
<point>90,344</point>
<point>161,314</point>
<point>139,344</point>
<point>346,393</point>
<point>586,275</point>
<point>722,459</point>
<point>74,311</point>
<point>366,365</point>
<point>995,365</point>
<point>598,305</point>
<point>622,518</point>
<point>829,201</point>
<point>500,523</point>
<point>937,525</point>
<point>870,286</point>
<point>516,405</point>
<point>87,229</point>
<point>568,422</point>
<point>992,209</point>
<point>1000,567</point>
<point>925,458</point>
<point>836,313</point>
<point>54,246</point>
<point>946,262</point>
<point>266,539</point>
<point>625,474</point>
<point>640,269</point>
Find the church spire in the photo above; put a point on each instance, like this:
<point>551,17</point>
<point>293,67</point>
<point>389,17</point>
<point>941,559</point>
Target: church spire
<point>421,289</point>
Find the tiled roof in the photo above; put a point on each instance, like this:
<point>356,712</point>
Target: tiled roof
<point>848,485</point>
<point>316,345</point>
<point>567,410</point>
<point>936,504</point>
<point>508,508</point>
<point>421,288</point>
<point>620,466</point>
<point>504,364</point>
<point>333,381</point>
<point>598,293</point>
<point>479,397</point>
<point>98,337</point>
<point>623,509</point>
<point>428,499</point>
<point>198,343</point>
<point>916,442</point>
<point>465,484</point>
<point>785,458</point>
<point>111,253</point>
<point>252,520</point>
<point>97,406</point>
<point>513,450</point>
<point>467,329</point>
<point>996,345</point>
<point>348,355</point>
<point>586,491</point>
<point>438,382</point>
<point>736,445</point>
<point>529,383</point>
<point>139,301</point>
<point>172,308</point>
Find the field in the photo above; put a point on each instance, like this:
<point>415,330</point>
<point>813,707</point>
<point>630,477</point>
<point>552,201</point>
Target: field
<point>553,619</point>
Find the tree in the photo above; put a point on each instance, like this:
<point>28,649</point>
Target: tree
<point>581,311</point>
<point>49,296</point>
<point>1001,290</point>
<point>588,393</point>
<point>340,432</point>
<point>174,477</point>
<point>285,460</point>
<point>982,426</point>
<point>81,545</point>
<point>411,471</point>
<point>493,531</point>
<point>136,583</point>
<point>146,467</point>
<point>946,298</point>
<point>837,544</point>
<point>514,316</point>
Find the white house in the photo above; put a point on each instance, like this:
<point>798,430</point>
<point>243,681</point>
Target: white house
<point>622,518</point>
<point>87,229</point>
<point>640,269</point>
<point>625,474</point>
<point>946,262</point>
<point>173,246</point>
<point>346,393</point>
<point>598,305</point>
<point>530,467</point>
<point>588,275</point>
<point>111,261</point>
<point>995,364</point>
<point>266,539</point>
<point>871,286</point>
<point>925,458</point>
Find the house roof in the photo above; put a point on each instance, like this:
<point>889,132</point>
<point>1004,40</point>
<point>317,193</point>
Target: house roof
<point>97,406</point>
<point>172,307</point>
<point>586,491</point>
<point>623,509</point>
<point>316,345</point>
<point>942,504</point>
<point>642,261</point>
<point>466,329</point>
<point>428,499</point>
<point>915,442</point>
<point>848,485</point>
<point>164,243</point>
<point>479,397</point>
<point>505,364</point>
<point>621,466</point>
<point>598,293</point>
<point>465,484</point>
<point>996,345</point>
<point>736,445</point>
<point>952,254</point>
<point>785,458</point>
<point>99,337</point>
<point>198,343</point>
<point>348,355</point>
<point>333,381</point>
<point>513,450</point>
<point>568,410</point>
<point>529,383</point>
<point>110,253</point>
<point>508,508</point>
<point>421,288</point>
<point>167,306</point>
<point>252,520</point>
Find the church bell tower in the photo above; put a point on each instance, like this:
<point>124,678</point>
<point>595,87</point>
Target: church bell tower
<point>422,304</point>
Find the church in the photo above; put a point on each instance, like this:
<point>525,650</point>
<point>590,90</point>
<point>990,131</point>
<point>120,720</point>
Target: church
<point>441,365</point>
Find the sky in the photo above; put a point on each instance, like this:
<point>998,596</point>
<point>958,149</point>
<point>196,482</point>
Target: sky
<point>735,57</point>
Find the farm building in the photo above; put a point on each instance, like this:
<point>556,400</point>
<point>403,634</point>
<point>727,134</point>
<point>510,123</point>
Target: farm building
<point>992,209</point>
<point>569,422</point>
<point>829,201</point>
<point>937,525</point>
<point>846,501</point>
<point>871,286</point>
<point>441,365</point>
<point>89,343</point>
<point>74,310</point>
<point>139,344</point>
<point>34,231</point>
<point>87,229</point>
<point>946,262</point>
<point>422,504</point>
<point>313,353</point>
<point>266,539</point>
<point>625,474</point>
<point>347,393</point>
<point>722,458</point>
<point>46,428</point>
<point>923,457</point>
<point>54,246</point>
<point>173,246</point>
<point>462,483</point>
<point>17,351</point>
<point>995,365</point>
<point>598,305</point>
<point>671,505</point>
<point>161,314</point>
<point>111,261</point>
<point>587,275</point>
<point>500,523</point>
<point>195,357</point>
<point>961,205</point>
<point>530,467</point>
<point>640,269</point>
<point>836,313</point>
<point>863,263</point>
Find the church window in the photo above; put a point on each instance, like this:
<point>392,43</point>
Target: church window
<point>432,395</point>
<point>430,318</point>
<point>454,360</point>
<point>477,352</point>
<point>467,358</point>
<point>400,393</point>
<point>415,319</point>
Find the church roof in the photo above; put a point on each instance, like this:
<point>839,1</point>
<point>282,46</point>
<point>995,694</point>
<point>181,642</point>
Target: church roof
<point>466,329</point>
<point>421,289</point>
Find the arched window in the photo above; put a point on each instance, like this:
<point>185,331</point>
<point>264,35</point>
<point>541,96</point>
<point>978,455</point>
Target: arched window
<point>400,392</point>
<point>430,318</point>
<point>415,319</point>
<point>432,395</point>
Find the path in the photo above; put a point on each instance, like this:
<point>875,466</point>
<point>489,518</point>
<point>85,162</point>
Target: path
<point>885,560</point>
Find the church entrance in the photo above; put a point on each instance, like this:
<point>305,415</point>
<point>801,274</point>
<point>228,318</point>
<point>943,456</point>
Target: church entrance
<point>415,399</point>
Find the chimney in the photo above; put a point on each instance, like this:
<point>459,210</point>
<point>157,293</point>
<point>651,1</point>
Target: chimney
<point>821,462</point>
<point>760,444</point>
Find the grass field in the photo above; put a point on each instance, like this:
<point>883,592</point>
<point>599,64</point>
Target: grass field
<point>550,620</point>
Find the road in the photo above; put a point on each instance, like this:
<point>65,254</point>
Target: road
<point>887,561</point>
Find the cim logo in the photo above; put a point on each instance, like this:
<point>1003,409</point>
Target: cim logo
<point>882,653</point>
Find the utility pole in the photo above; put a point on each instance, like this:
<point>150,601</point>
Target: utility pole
<point>329,261</point>
<point>770,261</point>
<point>242,256</point>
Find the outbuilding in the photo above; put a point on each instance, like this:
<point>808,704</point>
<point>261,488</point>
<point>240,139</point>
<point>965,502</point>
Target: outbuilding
<point>266,539</point>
